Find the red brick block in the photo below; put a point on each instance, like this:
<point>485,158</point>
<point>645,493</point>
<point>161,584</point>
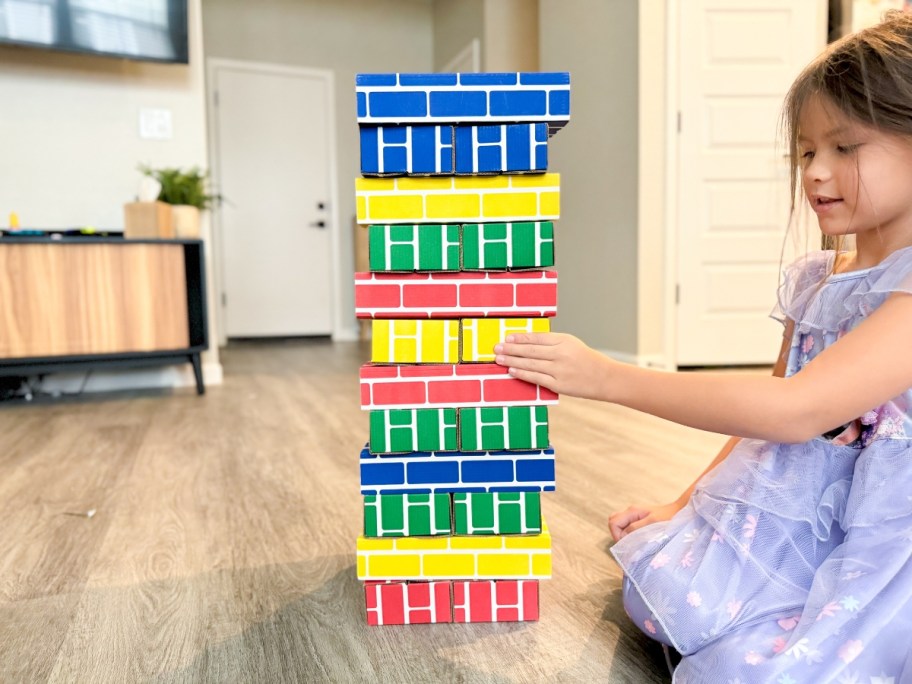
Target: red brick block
<point>509,390</point>
<point>407,603</point>
<point>454,392</point>
<point>487,296</point>
<point>495,601</point>
<point>536,295</point>
<point>456,295</point>
<point>447,386</point>
<point>426,296</point>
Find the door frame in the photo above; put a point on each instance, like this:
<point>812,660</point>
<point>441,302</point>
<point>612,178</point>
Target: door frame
<point>213,64</point>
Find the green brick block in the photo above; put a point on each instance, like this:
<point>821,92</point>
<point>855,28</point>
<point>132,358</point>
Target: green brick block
<point>507,245</point>
<point>399,431</point>
<point>407,515</point>
<point>500,427</point>
<point>497,513</point>
<point>413,247</point>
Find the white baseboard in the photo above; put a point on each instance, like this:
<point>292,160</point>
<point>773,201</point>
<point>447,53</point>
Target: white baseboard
<point>641,360</point>
<point>346,335</point>
<point>146,378</point>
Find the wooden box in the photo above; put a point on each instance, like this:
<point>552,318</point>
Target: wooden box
<point>148,220</point>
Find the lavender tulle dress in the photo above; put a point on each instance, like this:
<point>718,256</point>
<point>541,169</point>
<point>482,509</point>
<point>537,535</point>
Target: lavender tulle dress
<point>792,563</point>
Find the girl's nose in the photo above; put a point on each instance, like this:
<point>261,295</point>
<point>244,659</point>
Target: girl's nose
<point>817,170</point>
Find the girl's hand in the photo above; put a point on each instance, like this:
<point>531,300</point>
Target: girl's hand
<point>560,362</point>
<point>624,522</point>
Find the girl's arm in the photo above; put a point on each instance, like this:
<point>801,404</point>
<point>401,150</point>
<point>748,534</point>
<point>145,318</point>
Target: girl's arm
<point>633,518</point>
<point>864,369</point>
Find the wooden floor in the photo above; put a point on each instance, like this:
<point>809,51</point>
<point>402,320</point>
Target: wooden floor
<point>222,544</point>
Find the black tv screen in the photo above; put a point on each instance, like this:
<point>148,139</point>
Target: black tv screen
<point>153,30</point>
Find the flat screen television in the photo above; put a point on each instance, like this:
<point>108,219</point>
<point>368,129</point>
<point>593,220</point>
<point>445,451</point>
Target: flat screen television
<point>146,30</point>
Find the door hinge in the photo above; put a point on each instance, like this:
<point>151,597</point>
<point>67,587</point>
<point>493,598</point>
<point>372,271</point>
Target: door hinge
<point>224,299</point>
<point>678,294</point>
<point>679,121</point>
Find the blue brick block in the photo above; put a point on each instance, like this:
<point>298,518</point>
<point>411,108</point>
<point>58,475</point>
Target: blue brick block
<point>464,98</point>
<point>545,78</point>
<point>397,104</point>
<point>429,472</point>
<point>509,148</point>
<point>519,103</point>
<point>427,79</point>
<point>559,103</point>
<point>458,103</point>
<point>437,472</point>
<point>376,79</point>
<point>399,150</point>
<point>487,79</point>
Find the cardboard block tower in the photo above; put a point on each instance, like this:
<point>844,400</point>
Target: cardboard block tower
<point>459,207</point>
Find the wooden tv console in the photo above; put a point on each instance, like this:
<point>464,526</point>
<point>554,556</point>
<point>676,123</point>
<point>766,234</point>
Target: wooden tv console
<point>83,303</point>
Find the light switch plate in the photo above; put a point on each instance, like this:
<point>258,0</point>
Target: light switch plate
<point>155,124</point>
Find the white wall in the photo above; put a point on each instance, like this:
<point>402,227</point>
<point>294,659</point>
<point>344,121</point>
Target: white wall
<point>345,36</point>
<point>69,126</point>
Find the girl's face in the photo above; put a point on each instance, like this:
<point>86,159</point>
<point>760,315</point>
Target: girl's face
<point>857,179</point>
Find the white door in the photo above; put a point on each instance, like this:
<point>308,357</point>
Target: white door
<point>273,165</point>
<point>737,59</point>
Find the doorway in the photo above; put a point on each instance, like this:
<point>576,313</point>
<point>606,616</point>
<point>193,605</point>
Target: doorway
<point>276,231</point>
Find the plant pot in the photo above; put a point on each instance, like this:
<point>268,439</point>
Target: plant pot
<point>186,221</point>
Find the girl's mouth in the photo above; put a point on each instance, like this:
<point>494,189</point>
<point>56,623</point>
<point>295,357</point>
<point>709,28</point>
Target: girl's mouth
<point>822,204</point>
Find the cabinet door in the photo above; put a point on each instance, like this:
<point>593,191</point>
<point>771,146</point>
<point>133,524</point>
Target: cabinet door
<point>76,299</point>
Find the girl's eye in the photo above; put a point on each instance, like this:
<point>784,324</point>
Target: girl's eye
<point>846,149</point>
<point>808,154</point>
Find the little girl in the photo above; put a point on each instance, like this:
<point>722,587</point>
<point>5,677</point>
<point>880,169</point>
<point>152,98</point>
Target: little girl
<point>790,559</point>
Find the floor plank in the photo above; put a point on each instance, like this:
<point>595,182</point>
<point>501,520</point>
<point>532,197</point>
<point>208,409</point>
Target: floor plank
<point>222,544</point>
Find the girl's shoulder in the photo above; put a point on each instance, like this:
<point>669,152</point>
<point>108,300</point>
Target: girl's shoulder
<point>850,292</point>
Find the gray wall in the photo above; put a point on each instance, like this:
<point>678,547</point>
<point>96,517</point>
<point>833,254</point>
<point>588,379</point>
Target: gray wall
<point>456,24</point>
<point>596,155</point>
<point>345,36</point>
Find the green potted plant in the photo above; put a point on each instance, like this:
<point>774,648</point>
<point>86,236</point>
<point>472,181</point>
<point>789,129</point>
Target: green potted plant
<point>186,192</point>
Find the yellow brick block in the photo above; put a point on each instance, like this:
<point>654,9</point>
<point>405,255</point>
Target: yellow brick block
<point>361,208</point>
<point>425,184</point>
<point>413,341</point>
<point>477,542</point>
<point>479,335</point>
<point>541,565</point>
<point>550,204</point>
<point>504,565</point>
<point>529,541</point>
<point>482,182</point>
<point>362,566</point>
<point>449,565</point>
<point>395,208</point>
<point>399,566</point>
<point>374,184</point>
<point>532,180</point>
<point>453,206</point>
<point>510,204</point>
<point>375,543</point>
<point>421,543</point>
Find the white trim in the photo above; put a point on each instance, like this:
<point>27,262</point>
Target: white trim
<point>213,64</point>
<point>166,377</point>
<point>471,51</point>
<point>671,183</point>
<point>641,360</point>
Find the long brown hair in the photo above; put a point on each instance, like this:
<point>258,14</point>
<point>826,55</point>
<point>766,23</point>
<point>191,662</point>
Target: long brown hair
<point>867,76</point>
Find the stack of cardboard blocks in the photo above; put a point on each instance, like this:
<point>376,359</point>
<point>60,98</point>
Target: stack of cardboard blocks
<point>459,209</point>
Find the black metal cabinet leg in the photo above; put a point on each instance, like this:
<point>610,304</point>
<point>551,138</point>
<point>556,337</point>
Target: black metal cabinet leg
<point>198,373</point>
